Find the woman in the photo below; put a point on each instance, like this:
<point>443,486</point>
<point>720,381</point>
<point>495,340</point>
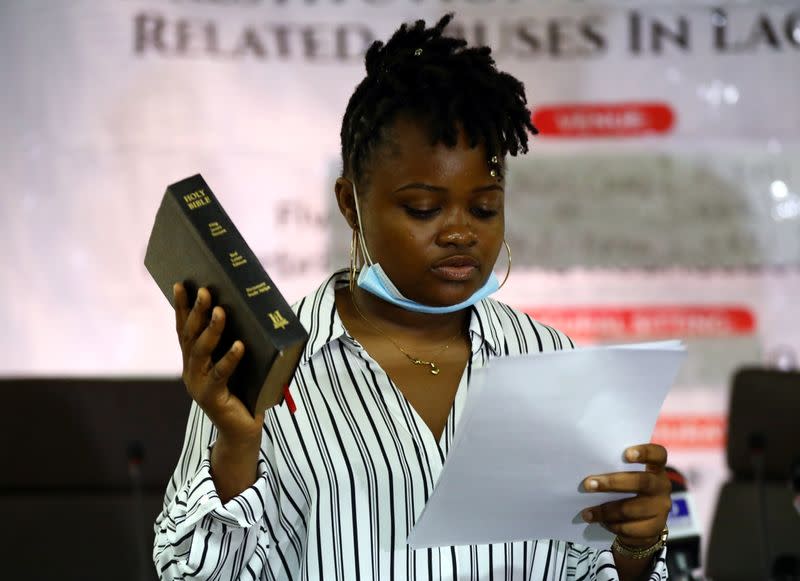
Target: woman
<point>332,490</point>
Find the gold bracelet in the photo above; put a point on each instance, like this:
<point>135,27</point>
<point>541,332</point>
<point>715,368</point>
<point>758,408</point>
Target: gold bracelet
<point>639,553</point>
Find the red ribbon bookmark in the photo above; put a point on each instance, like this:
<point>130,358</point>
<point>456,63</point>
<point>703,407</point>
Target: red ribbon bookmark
<point>287,397</point>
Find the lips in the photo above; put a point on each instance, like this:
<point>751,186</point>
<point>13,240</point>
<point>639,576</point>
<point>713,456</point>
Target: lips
<point>456,268</point>
<point>459,260</point>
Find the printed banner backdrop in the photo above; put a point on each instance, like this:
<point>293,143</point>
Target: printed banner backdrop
<point>662,198</point>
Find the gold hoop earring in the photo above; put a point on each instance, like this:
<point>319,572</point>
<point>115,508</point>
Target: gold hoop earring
<point>508,268</point>
<point>355,260</point>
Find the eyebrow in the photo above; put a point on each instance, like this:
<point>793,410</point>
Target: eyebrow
<point>438,189</point>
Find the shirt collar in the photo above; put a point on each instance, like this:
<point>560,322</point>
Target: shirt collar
<point>318,314</point>
<point>485,327</point>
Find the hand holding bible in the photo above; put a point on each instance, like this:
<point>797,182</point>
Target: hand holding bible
<point>206,380</point>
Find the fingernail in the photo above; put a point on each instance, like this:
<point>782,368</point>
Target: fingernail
<point>175,288</point>
<point>633,454</point>
<point>215,316</point>
<point>592,484</point>
<point>587,515</point>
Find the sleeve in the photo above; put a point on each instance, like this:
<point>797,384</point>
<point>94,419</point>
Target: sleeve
<point>584,563</point>
<point>198,536</point>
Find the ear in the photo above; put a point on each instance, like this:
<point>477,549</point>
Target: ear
<point>347,201</point>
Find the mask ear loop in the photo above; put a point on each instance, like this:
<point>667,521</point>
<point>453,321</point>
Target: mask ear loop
<point>508,268</point>
<point>355,259</point>
<point>361,241</point>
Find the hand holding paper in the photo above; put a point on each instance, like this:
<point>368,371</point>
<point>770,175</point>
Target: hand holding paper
<point>533,428</point>
<point>637,521</point>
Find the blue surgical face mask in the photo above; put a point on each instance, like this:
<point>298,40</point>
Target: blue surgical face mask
<point>373,279</point>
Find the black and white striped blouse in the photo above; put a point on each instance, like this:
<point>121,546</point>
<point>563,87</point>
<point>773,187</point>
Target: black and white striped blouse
<point>342,480</point>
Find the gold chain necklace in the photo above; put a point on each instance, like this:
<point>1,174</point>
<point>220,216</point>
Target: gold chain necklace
<point>434,367</point>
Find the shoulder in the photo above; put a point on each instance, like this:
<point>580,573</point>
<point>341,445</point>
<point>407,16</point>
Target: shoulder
<point>517,332</point>
<point>320,299</point>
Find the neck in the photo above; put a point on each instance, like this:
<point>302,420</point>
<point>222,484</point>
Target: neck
<point>401,322</point>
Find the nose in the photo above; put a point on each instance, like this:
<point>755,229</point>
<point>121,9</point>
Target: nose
<point>458,231</point>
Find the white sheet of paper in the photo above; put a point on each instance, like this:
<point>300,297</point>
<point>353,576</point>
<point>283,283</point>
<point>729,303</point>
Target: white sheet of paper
<point>533,427</point>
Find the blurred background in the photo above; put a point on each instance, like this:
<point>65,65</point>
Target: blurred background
<point>661,200</point>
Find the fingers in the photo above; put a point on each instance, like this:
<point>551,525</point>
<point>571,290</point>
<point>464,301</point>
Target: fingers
<point>629,510</point>
<point>201,349</point>
<point>639,519</point>
<point>653,455</point>
<point>215,386</point>
<point>181,307</point>
<point>199,336</point>
<point>200,329</point>
<point>647,483</point>
<point>196,320</point>
<point>200,363</point>
<point>644,532</point>
<point>221,371</point>
<point>651,482</point>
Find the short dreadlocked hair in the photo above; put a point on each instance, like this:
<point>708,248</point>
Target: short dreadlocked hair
<point>441,82</point>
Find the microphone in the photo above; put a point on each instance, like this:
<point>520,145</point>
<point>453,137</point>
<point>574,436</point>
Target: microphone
<point>135,455</point>
<point>683,546</point>
<point>794,478</point>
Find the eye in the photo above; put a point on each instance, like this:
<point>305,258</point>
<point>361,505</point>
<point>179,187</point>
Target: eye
<point>421,214</point>
<point>484,213</point>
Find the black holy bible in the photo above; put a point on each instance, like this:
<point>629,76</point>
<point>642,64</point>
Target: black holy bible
<point>194,241</point>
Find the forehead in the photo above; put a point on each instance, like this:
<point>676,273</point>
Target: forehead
<point>407,153</point>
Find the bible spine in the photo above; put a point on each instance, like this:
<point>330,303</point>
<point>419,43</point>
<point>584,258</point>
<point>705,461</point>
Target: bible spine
<point>223,240</point>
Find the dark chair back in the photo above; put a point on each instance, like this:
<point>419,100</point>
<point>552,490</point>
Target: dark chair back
<point>763,438</point>
<point>74,506</point>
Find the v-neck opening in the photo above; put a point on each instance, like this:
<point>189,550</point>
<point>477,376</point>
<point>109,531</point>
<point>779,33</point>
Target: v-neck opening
<point>418,417</point>
<point>422,426</point>
<point>475,340</point>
